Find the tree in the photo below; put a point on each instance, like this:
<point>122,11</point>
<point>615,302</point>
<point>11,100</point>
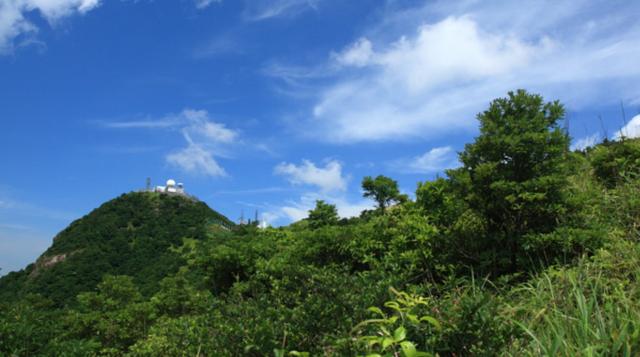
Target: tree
<point>517,169</point>
<point>615,161</point>
<point>323,214</point>
<point>382,189</point>
<point>115,315</point>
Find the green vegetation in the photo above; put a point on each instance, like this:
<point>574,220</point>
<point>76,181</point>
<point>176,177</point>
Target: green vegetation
<point>382,189</point>
<point>131,235</point>
<point>527,249</point>
<point>322,215</point>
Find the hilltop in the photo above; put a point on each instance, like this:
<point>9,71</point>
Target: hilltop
<point>136,234</point>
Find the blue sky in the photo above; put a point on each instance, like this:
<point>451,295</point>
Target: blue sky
<point>272,104</point>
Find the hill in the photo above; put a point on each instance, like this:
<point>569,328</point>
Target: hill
<point>135,234</point>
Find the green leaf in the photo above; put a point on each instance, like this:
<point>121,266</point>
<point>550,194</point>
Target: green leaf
<point>376,310</point>
<point>408,348</point>
<point>393,305</point>
<point>413,318</point>
<point>432,321</point>
<point>373,341</point>
<point>399,334</point>
<point>386,343</point>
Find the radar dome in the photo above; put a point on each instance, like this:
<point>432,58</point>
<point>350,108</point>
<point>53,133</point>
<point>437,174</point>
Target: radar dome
<point>170,183</point>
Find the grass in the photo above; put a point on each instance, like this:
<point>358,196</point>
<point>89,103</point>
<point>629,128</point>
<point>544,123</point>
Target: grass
<point>589,310</point>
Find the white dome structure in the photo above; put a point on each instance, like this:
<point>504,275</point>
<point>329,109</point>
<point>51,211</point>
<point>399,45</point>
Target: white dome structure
<point>171,187</point>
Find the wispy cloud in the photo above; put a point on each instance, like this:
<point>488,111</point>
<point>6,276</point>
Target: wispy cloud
<point>14,24</point>
<point>199,124</point>
<point>143,124</point>
<point>257,10</point>
<point>227,43</point>
<point>203,4</point>
<point>297,76</point>
<point>433,161</point>
<point>448,60</point>
<point>205,139</point>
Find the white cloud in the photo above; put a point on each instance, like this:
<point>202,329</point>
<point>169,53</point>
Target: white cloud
<point>13,22</point>
<point>205,138</point>
<point>196,124</point>
<point>332,185</point>
<point>142,124</point>
<point>294,75</point>
<point>269,218</point>
<point>297,210</point>
<point>449,60</point>
<point>327,179</point>
<point>257,10</point>
<point>296,213</point>
<point>450,50</point>
<point>196,159</point>
<point>587,141</point>
<point>432,161</point>
<point>200,124</point>
<point>202,4</point>
<point>407,92</point>
<point>347,208</point>
<point>631,130</point>
<point>358,54</point>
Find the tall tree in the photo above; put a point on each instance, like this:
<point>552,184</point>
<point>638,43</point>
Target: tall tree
<point>382,189</point>
<point>516,168</point>
<point>323,214</point>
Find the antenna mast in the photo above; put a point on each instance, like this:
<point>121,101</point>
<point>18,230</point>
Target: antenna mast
<point>624,121</point>
<point>604,129</point>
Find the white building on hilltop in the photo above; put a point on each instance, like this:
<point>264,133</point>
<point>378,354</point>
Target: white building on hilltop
<point>171,187</point>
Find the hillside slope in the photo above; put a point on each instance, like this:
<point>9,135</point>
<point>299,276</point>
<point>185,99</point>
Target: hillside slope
<point>129,235</point>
